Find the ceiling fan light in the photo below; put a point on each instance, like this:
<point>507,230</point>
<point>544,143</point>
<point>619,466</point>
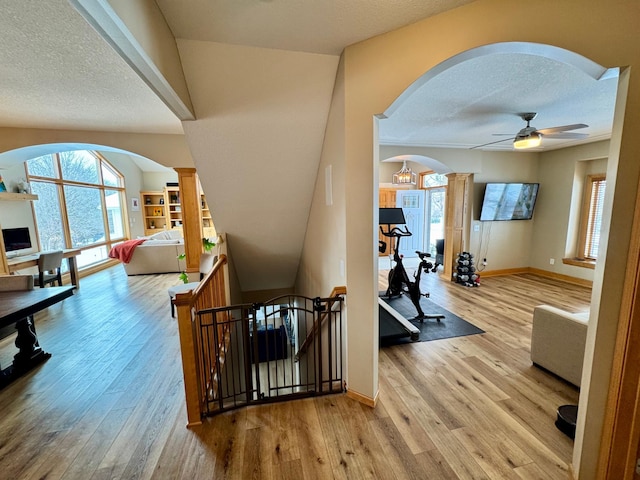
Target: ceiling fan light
<point>405,176</point>
<point>527,141</point>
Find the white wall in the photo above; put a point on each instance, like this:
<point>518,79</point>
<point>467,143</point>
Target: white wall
<point>17,213</point>
<point>135,180</point>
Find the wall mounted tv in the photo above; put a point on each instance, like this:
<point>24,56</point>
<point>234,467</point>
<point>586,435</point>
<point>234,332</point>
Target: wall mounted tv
<point>16,238</point>
<point>508,201</point>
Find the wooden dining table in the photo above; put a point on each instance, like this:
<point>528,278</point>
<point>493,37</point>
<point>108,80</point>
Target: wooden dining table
<point>18,307</point>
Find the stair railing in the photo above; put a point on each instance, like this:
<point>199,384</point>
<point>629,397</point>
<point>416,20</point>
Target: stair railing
<point>211,292</point>
<point>337,291</point>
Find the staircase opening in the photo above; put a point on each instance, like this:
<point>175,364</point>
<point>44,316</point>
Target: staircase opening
<point>289,347</point>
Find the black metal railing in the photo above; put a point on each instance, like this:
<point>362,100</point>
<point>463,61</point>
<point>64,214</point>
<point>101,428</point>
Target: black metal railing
<point>251,353</point>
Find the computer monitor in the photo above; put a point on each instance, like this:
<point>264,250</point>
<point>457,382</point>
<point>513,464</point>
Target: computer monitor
<point>16,239</point>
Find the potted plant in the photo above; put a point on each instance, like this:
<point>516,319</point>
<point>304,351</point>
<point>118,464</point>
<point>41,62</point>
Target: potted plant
<point>207,245</point>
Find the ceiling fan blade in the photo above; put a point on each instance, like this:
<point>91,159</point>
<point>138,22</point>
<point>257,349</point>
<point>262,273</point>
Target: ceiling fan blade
<point>564,128</point>
<point>566,135</point>
<point>491,143</point>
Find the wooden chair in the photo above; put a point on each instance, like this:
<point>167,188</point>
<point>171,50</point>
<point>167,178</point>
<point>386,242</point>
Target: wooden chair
<point>49,269</point>
<point>206,263</point>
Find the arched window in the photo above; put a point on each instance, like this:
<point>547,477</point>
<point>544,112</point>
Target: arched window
<point>81,203</point>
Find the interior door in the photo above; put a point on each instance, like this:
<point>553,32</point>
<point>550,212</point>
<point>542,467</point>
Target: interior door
<point>435,213</point>
<point>412,204</point>
<point>386,199</point>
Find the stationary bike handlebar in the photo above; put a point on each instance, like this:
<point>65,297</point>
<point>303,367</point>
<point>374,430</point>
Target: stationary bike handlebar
<point>396,232</point>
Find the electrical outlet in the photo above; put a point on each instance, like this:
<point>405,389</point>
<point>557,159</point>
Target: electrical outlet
<point>552,261</point>
<point>476,227</point>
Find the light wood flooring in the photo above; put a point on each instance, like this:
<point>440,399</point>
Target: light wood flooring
<point>109,404</point>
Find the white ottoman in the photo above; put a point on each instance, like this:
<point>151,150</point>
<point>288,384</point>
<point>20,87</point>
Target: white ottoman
<point>557,341</point>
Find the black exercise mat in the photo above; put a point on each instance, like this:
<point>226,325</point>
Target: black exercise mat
<point>430,329</point>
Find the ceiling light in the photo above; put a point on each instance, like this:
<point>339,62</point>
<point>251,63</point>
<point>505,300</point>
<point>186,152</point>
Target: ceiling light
<point>530,140</point>
<point>405,176</point>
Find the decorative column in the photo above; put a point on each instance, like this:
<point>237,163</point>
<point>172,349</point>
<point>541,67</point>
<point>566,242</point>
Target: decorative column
<point>191,218</point>
<point>455,231</point>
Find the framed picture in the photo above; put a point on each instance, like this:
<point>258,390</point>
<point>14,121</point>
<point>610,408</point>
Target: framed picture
<point>3,188</point>
<point>135,204</point>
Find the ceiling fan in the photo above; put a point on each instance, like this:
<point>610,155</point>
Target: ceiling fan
<point>530,137</point>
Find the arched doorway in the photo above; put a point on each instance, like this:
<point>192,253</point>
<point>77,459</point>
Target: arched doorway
<point>478,157</point>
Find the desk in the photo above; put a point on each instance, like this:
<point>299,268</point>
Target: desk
<point>18,307</point>
<point>26,261</point>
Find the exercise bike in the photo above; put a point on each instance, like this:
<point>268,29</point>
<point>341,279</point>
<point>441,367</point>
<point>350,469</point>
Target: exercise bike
<point>399,282</point>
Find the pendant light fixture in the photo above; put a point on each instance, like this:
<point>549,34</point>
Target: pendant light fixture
<point>405,176</point>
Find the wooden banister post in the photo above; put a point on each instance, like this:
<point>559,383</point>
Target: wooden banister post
<point>188,353</point>
<point>191,217</point>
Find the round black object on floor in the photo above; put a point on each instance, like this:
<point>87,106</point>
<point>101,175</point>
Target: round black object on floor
<point>567,417</point>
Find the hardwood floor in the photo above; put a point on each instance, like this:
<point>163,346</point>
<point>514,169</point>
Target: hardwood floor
<point>109,403</point>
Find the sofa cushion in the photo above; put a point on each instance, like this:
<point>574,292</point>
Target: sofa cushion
<point>162,235</point>
<point>153,242</point>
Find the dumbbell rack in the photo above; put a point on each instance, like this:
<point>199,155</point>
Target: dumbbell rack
<point>465,273</point>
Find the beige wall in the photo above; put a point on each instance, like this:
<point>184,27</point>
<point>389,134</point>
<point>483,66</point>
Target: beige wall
<point>158,180</point>
<point>325,235</point>
<point>557,210</point>
<point>315,276</point>
<point>167,150</point>
<point>553,231</point>
<point>505,245</point>
<point>380,69</point>
<point>257,142</point>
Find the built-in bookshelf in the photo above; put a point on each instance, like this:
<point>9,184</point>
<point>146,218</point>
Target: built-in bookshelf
<point>174,209</point>
<point>162,210</point>
<point>208,230</point>
<point>154,211</point>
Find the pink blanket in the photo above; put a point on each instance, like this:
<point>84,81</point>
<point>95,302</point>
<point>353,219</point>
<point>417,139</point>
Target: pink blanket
<point>124,251</point>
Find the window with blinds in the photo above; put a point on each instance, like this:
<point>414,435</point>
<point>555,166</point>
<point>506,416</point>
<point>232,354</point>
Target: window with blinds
<point>595,188</point>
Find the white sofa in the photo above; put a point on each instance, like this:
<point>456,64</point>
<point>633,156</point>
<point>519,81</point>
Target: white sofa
<point>158,254</point>
<point>558,340</point>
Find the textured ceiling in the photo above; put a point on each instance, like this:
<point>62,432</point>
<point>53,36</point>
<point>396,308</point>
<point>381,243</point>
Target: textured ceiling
<point>58,73</point>
<point>468,104</point>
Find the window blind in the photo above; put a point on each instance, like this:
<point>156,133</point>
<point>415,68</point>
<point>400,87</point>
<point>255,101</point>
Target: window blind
<point>594,221</point>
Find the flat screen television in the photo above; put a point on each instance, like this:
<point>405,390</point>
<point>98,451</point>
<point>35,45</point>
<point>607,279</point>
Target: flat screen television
<point>16,238</point>
<point>508,201</point>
